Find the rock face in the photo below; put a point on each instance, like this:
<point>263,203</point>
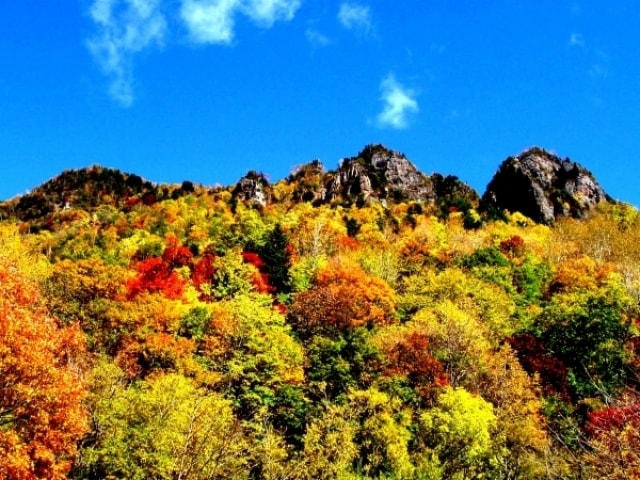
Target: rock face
<point>252,189</point>
<point>379,173</point>
<point>542,187</point>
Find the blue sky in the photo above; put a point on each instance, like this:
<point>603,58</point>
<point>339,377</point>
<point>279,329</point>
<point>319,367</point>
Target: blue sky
<point>205,90</point>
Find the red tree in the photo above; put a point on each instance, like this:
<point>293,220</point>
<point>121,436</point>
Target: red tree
<point>411,357</point>
<point>535,358</point>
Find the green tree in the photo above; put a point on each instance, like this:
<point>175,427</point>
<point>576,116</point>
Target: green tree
<point>341,362</point>
<point>276,254</point>
<point>258,355</point>
<point>587,330</point>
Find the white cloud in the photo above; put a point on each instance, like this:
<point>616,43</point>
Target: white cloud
<point>212,21</point>
<point>125,27</point>
<point>399,104</point>
<point>355,17</point>
<point>209,21</point>
<point>316,38</point>
<point>576,40</point>
<point>266,12</point>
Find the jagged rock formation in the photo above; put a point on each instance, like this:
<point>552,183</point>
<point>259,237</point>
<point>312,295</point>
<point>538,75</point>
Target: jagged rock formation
<point>541,186</point>
<point>379,173</point>
<point>252,188</point>
<point>309,183</point>
<point>536,183</point>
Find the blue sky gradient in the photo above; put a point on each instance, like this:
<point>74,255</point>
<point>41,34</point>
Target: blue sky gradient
<point>205,90</point>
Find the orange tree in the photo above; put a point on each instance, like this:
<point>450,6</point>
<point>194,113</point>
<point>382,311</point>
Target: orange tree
<point>344,297</point>
<point>41,413</point>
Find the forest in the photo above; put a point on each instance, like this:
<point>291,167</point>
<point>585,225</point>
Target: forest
<point>182,332</point>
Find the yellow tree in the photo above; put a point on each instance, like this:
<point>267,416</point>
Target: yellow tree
<point>367,435</point>
<point>521,440</point>
<point>458,434</point>
<point>164,427</point>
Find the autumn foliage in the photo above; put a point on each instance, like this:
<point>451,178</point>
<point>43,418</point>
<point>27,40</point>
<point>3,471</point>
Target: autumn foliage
<point>343,297</point>
<point>614,437</point>
<point>535,359</point>
<point>181,332</point>
<point>410,357</point>
<point>158,274</point>
<point>41,390</point>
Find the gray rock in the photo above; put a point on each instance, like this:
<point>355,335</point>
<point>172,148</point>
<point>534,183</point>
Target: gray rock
<point>541,186</point>
<point>379,173</point>
<point>252,189</point>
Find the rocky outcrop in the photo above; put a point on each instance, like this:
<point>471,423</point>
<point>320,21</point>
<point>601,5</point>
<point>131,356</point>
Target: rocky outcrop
<point>542,186</point>
<point>252,188</point>
<point>349,181</point>
<point>536,183</point>
<point>378,172</point>
<point>309,180</point>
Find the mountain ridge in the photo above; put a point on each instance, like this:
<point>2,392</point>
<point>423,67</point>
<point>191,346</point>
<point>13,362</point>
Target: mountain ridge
<point>536,183</point>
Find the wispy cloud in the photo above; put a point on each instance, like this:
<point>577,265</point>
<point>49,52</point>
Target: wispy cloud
<point>354,16</point>
<point>576,40</point>
<point>316,38</point>
<point>600,67</point>
<point>598,71</point>
<point>127,27</point>
<point>399,104</point>
<point>124,27</point>
<point>266,12</point>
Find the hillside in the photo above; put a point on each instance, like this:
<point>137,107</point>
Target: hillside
<point>366,322</point>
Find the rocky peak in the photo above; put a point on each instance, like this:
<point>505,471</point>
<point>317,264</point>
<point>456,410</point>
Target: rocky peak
<point>379,173</point>
<point>252,189</point>
<point>542,186</point>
